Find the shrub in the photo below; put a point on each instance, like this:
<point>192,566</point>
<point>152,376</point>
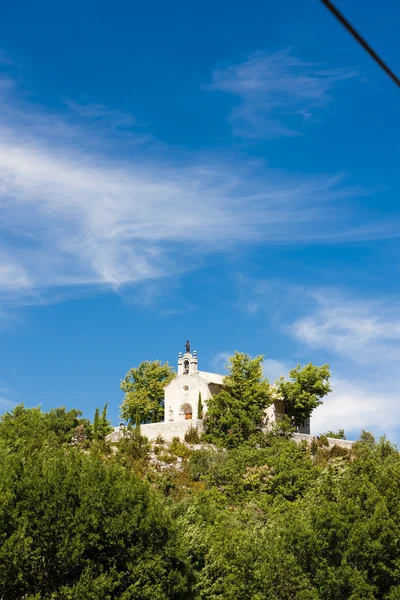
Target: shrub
<point>160,440</point>
<point>323,441</point>
<point>178,448</point>
<point>192,435</point>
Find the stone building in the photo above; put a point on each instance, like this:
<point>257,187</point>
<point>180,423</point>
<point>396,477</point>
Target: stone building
<point>181,398</point>
<point>181,395</point>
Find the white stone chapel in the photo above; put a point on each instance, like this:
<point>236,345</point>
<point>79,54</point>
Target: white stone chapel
<point>181,401</point>
<point>181,395</point>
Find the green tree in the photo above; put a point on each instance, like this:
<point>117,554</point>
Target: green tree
<point>144,391</point>
<point>200,407</point>
<point>101,424</point>
<point>305,390</point>
<point>30,428</point>
<point>96,422</point>
<point>76,526</point>
<point>337,435</point>
<point>237,412</point>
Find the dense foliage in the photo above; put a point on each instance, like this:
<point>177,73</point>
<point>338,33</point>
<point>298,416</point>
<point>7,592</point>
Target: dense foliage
<point>144,391</point>
<point>304,390</point>
<point>263,518</point>
<point>237,412</point>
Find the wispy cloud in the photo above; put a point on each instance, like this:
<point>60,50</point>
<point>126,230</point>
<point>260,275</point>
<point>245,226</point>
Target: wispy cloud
<point>5,403</point>
<point>5,398</point>
<point>365,331</point>
<point>101,113</point>
<point>276,92</point>
<point>4,59</point>
<point>221,358</point>
<point>74,213</point>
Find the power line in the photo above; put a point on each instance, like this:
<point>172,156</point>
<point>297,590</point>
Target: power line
<point>360,40</point>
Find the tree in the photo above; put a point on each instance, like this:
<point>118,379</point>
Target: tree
<point>144,391</point>
<point>305,391</point>
<point>96,421</point>
<point>31,428</point>
<point>337,435</point>
<point>199,407</point>
<point>237,412</point>
<point>76,526</point>
<point>101,425</point>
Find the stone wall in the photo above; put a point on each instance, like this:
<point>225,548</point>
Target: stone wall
<point>299,437</point>
<point>178,429</point>
<point>166,430</point>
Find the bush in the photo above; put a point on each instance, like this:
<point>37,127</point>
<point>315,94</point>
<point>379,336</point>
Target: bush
<point>134,446</point>
<point>77,526</point>
<point>177,448</point>
<point>323,441</point>
<point>160,440</point>
<point>192,435</point>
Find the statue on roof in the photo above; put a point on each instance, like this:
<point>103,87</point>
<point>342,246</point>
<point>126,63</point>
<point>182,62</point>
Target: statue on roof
<point>187,346</point>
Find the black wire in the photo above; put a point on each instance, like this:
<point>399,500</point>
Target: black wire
<point>360,40</point>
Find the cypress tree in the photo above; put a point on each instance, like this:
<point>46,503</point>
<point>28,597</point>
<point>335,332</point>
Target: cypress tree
<point>96,423</point>
<point>199,407</point>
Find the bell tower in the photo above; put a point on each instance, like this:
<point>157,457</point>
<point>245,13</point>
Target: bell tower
<point>188,363</point>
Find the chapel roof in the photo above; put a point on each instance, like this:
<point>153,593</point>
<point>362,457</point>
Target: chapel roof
<point>211,377</point>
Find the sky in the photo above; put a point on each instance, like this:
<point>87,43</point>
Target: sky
<point>220,172</point>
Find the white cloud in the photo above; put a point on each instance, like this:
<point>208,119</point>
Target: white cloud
<point>71,218</point>
<point>221,358</point>
<point>354,406</point>
<point>277,92</point>
<point>359,338</point>
<point>74,214</point>
<point>273,369</point>
<point>365,331</point>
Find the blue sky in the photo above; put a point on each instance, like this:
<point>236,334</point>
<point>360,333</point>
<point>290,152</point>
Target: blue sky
<point>223,173</point>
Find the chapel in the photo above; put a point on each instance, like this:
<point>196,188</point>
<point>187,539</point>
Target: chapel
<point>181,402</point>
<point>181,395</point>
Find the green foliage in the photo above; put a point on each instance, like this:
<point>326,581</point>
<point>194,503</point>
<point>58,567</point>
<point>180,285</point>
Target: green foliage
<point>179,449</point>
<point>101,425</point>
<point>282,427</point>
<point>160,440</point>
<point>274,520</point>
<point>290,471</point>
<point>75,526</point>
<point>338,435</point>
<point>144,391</point>
<point>305,390</point>
<point>323,441</point>
<point>29,429</point>
<point>200,407</point>
<point>96,422</point>
<point>133,447</point>
<point>237,412</point>
<point>192,435</point>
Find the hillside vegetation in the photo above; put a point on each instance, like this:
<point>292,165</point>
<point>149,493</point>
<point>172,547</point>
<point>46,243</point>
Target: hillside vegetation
<point>266,519</point>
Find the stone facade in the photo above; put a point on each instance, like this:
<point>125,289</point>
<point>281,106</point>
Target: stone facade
<point>181,395</point>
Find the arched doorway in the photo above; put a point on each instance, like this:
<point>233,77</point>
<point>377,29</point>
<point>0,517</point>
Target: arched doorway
<point>186,412</point>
